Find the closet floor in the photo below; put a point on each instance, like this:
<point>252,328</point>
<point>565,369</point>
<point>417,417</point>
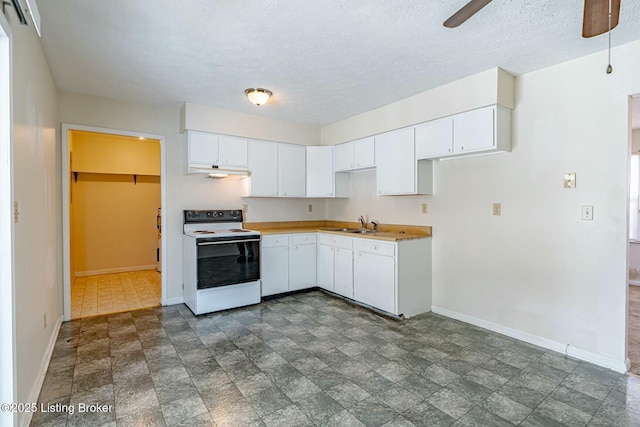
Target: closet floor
<point>116,292</point>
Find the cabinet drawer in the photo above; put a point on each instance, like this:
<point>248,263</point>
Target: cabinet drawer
<point>275,240</point>
<point>374,247</point>
<point>337,241</point>
<point>301,239</point>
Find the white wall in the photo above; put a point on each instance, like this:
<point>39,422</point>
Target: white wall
<point>490,87</point>
<point>537,270</point>
<point>210,119</point>
<point>36,179</point>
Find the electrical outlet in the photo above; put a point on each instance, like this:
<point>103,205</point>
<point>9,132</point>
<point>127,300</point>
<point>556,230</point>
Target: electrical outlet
<point>245,208</point>
<point>570,180</point>
<point>587,213</point>
<point>45,321</point>
<point>497,209</point>
<point>309,207</point>
<point>16,212</point>
<point>424,208</point>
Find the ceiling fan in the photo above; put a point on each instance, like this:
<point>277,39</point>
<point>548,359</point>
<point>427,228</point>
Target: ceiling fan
<point>596,15</point>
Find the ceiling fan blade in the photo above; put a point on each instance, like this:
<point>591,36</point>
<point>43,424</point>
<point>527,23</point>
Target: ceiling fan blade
<point>467,11</point>
<point>596,17</point>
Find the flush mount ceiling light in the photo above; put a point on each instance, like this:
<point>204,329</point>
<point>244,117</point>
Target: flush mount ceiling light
<point>258,96</point>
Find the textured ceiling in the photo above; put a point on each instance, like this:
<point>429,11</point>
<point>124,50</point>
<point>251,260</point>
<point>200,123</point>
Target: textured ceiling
<point>324,60</point>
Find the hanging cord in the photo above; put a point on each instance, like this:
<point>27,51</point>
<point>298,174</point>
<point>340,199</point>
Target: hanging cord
<point>609,67</point>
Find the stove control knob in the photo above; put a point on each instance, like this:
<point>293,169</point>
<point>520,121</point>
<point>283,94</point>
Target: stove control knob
<point>220,214</point>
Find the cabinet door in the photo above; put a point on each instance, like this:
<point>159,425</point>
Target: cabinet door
<point>320,172</point>
<point>325,267</point>
<point>396,162</point>
<point>263,165</point>
<point>274,270</point>
<point>434,139</point>
<point>291,170</point>
<point>343,280</point>
<point>364,153</point>
<point>233,151</point>
<point>343,156</point>
<point>374,280</point>
<point>203,148</point>
<point>302,266</point>
<point>473,130</point>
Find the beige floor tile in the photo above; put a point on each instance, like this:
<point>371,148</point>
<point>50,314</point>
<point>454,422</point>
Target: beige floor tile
<point>110,293</point>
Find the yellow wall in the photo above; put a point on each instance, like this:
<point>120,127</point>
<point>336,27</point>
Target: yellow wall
<point>104,153</point>
<point>114,224</point>
<point>113,218</point>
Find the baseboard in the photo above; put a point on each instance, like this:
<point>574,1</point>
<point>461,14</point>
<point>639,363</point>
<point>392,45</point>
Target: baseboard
<point>115,270</point>
<point>44,365</point>
<point>174,301</point>
<point>587,356</point>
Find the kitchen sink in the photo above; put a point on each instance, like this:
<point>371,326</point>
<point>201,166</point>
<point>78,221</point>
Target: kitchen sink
<point>351,230</point>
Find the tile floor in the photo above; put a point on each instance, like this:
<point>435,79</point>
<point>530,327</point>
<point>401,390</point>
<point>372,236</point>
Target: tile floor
<point>112,293</point>
<point>311,359</point>
<point>634,328</point>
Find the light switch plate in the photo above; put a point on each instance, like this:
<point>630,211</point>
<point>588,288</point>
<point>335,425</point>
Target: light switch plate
<point>570,180</point>
<point>424,208</point>
<point>309,207</point>
<point>497,209</point>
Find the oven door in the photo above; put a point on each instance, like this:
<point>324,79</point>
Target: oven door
<point>224,261</point>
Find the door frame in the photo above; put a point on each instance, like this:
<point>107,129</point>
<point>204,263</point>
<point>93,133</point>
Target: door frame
<point>8,385</point>
<point>66,226</point>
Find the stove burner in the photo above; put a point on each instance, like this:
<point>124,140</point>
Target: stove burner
<point>203,232</point>
<point>238,230</point>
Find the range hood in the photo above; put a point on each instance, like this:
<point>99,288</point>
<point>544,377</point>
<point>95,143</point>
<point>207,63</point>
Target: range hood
<point>215,171</point>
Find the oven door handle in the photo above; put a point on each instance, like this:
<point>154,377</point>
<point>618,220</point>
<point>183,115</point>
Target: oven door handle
<point>224,242</point>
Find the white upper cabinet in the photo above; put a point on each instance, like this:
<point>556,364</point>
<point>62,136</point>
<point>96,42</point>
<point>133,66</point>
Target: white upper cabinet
<point>263,164</point>
<point>210,149</point>
<point>291,170</point>
<point>434,138</point>
<point>397,171</point>
<point>202,148</point>
<point>232,151</point>
<point>358,154</point>
<point>482,131</point>
<point>321,179</point>
<point>320,172</point>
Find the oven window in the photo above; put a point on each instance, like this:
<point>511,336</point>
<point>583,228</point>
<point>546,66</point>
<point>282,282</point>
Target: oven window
<point>225,264</point>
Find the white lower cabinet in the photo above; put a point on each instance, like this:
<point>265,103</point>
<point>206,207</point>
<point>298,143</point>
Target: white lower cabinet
<point>335,264</point>
<point>288,263</point>
<point>374,274</point>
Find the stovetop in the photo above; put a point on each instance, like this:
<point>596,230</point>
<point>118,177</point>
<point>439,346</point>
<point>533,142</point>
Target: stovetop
<point>215,223</point>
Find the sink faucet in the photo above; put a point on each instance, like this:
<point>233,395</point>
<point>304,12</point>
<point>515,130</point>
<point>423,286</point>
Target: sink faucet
<point>375,225</point>
<point>363,223</point>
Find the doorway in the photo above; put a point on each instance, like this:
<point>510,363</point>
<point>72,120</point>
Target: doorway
<point>114,192</point>
<point>633,296</point>
<point>7,327</point>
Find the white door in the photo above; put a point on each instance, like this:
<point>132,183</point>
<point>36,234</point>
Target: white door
<point>203,148</point>
<point>473,130</point>
<point>263,165</point>
<point>291,170</point>
<point>319,171</point>
<point>274,270</point>
<point>396,162</point>
<point>364,153</point>
<point>302,266</point>
<point>374,280</point>
<point>434,139</point>
<point>343,156</point>
<point>343,281</point>
<point>325,267</point>
<point>233,151</point>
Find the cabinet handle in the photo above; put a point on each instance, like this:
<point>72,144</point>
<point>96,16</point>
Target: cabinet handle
<point>375,248</point>
<point>358,164</point>
<point>295,247</point>
<point>462,147</point>
<point>284,194</point>
<point>449,150</point>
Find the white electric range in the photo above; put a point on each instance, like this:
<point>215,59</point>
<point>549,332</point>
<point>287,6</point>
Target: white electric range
<point>221,261</point>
